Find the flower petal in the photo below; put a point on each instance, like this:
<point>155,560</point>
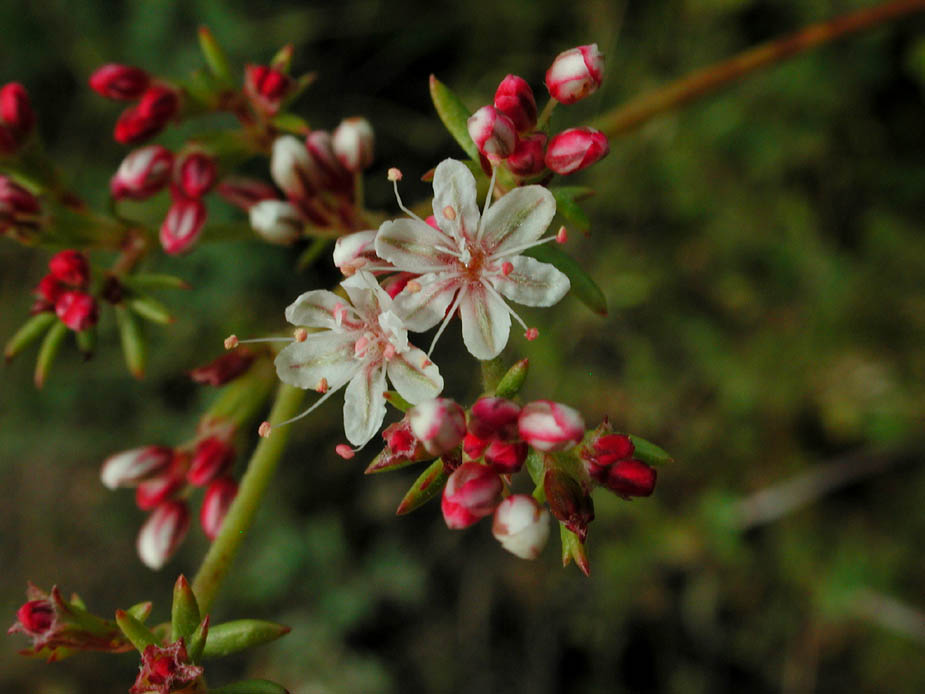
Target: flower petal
<point>454,187</point>
<point>532,283</point>
<point>314,309</point>
<point>517,219</point>
<point>415,377</point>
<point>423,309</point>
<point>486,322</point>
<point>367,297</point>
<point>410,245</point>
<point>328,355</point>
<point>364,403</point>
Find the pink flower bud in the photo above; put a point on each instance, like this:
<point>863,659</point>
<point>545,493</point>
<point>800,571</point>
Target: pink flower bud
<point>153,492</point>
<point>165,669</point>
<point>528,158</point>
<point>353,144</point>
<point>575,74</point>
<point>142,173</point>
<point>18,207</point>
<point>16,110</point>
<point>215,505</point>
<point>631,478</point>
<point>159,103</point>
<point>521,525</point>
<point>506,457</point>
<point>395,284</point>
<point>492,132</point>
<point>129,468</point>
<point>266,87</point>
<point>575,149</point>
<point>514,99</point>
<point>70,267</point>
<point>224,369</point>
<point>182,225</point>
<point>212,458</point>
<point>245,192</point>
<point>550,426</point>
<point>473,446</point>
<point>155,109</point>
<point>50,289</point>
<point>290,166</point>
<point>471,493</point>
<point>353,251</point>
<point>568,501</point>
<point>77,310</point>
<point>277,221</point>
<point>162,533</point>
<point>439,424</point>
<point>196,173</point>
<point>36,617</point>
<point>119,81</point>
<point>493,416</point>
<point>326,173</point>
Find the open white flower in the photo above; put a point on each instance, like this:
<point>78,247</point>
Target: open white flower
<point>358,346</point>
<point>472,261</point>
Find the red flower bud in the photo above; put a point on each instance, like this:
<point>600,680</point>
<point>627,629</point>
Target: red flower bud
<point>18,207</point>
<point>471,493</point>
<point>215,505</point>
<point>575,74</point>
<point>162,533</point>
<point>129,468</point>
<point>439,424</point>
<point>159,103</point>
<point>36,616</point>
<point>493,416</point>
<point>165,669</point>
<point>575,149</point>
<point>550,426</point>
<point>224,369</point>
<point>142,173</point>
<point>119,81</point>
<point>70,267</point>
<point>326,171</point>
<point>528,158</point>
<point>155,491</point>
<point>49,289</point>
<point>473,446</point>
<point>16,110</point>
<point>266,87</point>
<point>157,106</point>
<point>568,501</point>
<point>182,225</point>
<point>505,457</point>
<point>514,99</point>
<point>212,458</point>
<point>353,143</point>
<point>493,133</point>
<point>613,447</point>
<point>631,478</point>
<point>245,192</point>
<point>77,310</point>
<point>196,173</point>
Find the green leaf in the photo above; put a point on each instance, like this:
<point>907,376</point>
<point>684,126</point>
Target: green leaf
<point>648,452</point>
<point>30,331</point>
<point>511,383</point>
<point>215,57</point>
<point>454,114</point>
<point>386,462</point>
<point>51,345</point>
<point>134,630</point>
<point>86,341</point>
<point>536,466</point>
<point>146,280</point>
<point>141,611</point>
<point>150,309</point>
<point>133,341</point>
<point>426,487</point>
<point>184,612</point>
<point>291,123</point>
<point>251,687</point>
<point>197,642</point>
<point>583,286</point>
<point>573,550</point>
<point>283,59</point>
<point>567,205</point>
<point>232,637</point>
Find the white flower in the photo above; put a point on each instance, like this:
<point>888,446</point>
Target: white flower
<point>470,262</point>
<point>358,346</point>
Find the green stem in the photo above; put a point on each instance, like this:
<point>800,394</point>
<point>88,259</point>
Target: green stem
<point>312,253</point>
<point>241,515</point>
<point>546,113</point>
<point>710,79</point>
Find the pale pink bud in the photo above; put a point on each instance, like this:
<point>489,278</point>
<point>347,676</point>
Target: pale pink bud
<point>439,424</point>
<point>212,458</point>
<point>119,81</point>
<point>326,173</point>
<point>70,267</point>
<point>492,132</point>
<point>277,221</point>
<point>575,149</point>
<point>215,505</point>
<point>290,166</point>
<point>506,457</point>
<point>353,251</point>
<point>129,468</point>
<point>353,143</point>
<point>162,533</point>
<point>575,74</point>
<point>521,525</point>
<point>266,87</point>
<point>245,192</point>
<point>631,478</point>
<point>182,225</point>
<point>196,173</point>
<point>514,99</point>
<point>16,110</point>
<point>142,173</point>
<point>550,426</point>
<point>471,493</point>
<point>528,158</point>
<point>77,310</point>
<point>493,416</point>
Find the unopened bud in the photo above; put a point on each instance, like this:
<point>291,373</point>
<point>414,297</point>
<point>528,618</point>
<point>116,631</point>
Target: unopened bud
<point>266,87</point>
<point>16,111</point>
<point>182,225</point>
<point>277,221</point>
<point>575,74</point>
<point>473,446</point>
<point>142,173</point>
<point>492,416</point>
<point>50,289</point>
<point>353,144</point>
<point>17,204</point>
<point>77,310</point>
<point>224,369</point>
<point>514,98</point>
<point>245,192</point>
<point>215,505</point>
<point>196,173</point>
<point>353,251</point>
<point>528,157</point>
<point>506,457</point>
<point>326,172</point>
<point>119,81</point>
<point>439,424</point>
<point>157,106</point>
<point>290,165</point>
<point>568,501</point>
<point>521,525</point>
<point>550,426</point>
<point>493,133</point>
<point>129,468</point>
<point>211,459</point>
<point>70,267</point>
<point>162,533</point>
<point>472,492</point>
<point>575,149</point>
<point>155,491</point>
<point>36,617</point>
<point>631,478</point>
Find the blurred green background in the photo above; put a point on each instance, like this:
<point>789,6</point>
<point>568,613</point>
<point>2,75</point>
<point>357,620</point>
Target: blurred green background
<point>764,261</point>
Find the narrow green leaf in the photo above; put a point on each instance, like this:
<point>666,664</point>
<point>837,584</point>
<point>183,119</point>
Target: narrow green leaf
<point>454,114</point>
<point>283,59</point>
<point>573,550</point>
<point>51,345</point>
<point>648,452</point>
<point>30,331</point>
<point>215,57</point>
<point>583,286</point>
<point>141,611</point>
<point>150,309</point>
<point>133,341</point>
<point>134,630</point>
<point>251,687</point>
<point>568,207</point>
<point>146,280</point>
<point>291,123</point>
<point>429,485</point>
<point>397,401</point>
<point>197,642</point>
<point>184,612</point>
<point>511,383</point>
<point>232,637</point>
<point>86,341</point>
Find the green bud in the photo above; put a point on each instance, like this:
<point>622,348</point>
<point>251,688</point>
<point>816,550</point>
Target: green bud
<point>184,613</point>
<point>136,632</point>
<point>215,57</point>
<point>141,611</point>
<point>511,383</point>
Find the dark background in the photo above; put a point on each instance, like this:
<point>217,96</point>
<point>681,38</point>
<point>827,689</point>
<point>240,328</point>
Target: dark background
<point>763,257</point>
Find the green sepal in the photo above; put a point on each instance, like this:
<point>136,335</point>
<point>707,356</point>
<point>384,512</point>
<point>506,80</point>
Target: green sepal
<point>86,341</point>
<point>150,280</point>
<point>512,381</point>
<point>583,286</point>
<point>184,612</point>
<point>136,632</point>
<point>381,463</point>
<point>51,345</point>
<point>573,549</point>
<point>648,452</point>
<point>214,56</point>
<point>133,341</point>
<point>397,401</point>
<point>250,687</point>
<point>427,486</point>
<point>282,61</point>
<point>232,637</point>
<point>290,123</point>
<point>150,309</point>
<point>30,331</point>
<point>141,611</point>
<point>454,115</point>
<point>567,198</point>
<point>77,601</point>
<point>197,641</point>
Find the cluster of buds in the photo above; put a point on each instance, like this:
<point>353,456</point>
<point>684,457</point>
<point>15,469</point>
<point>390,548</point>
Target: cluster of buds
<point>17,119</point>
<point>506,131</point>
<point>64,291</point>
<point>156,105</point>
<point>609,461</point>
<point>19,211</point>
<point>266,86</point>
